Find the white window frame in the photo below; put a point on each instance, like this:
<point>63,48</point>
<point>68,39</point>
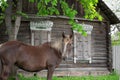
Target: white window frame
<point>88,29</point>
<point>45,25</point>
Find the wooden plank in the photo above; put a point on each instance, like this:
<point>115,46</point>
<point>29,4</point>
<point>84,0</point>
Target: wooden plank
<point>61,21</point>
<point>68,72</point>
<point>99,61</point>
<point>79,65</point>
<point>99,46</point>
<point>82,69</point>
<point>99,58</point>
<point>99,54</point>
<point>99,38</point>
<point>100,50</point>
<point>98,35</point>
<point>99,28</point>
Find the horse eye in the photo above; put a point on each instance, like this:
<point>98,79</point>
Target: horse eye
<point>67,39</point>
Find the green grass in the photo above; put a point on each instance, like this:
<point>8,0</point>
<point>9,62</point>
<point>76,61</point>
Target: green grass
<point>105,77</point>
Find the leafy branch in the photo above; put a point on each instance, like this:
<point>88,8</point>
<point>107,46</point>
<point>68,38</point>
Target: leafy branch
<point>3,6</point>
<point>49,7</point>
<point>90,9</point>
<point>116,38</point>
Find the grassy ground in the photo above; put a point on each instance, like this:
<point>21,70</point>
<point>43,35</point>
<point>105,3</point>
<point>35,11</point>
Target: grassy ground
<point>105,77</point>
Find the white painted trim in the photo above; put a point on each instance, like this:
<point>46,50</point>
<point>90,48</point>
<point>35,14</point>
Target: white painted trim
<point>32,38</point>
<point>49,36</point>
<point>74,59</point>
<point>88,29</point>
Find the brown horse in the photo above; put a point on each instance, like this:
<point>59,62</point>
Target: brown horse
<point>33,58</point>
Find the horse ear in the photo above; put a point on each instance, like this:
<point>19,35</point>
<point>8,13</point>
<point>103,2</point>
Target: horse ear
<point>71,33</point>
<point>63,35</point>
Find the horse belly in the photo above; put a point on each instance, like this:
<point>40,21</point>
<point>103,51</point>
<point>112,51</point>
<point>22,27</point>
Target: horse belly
<point>31,66</point>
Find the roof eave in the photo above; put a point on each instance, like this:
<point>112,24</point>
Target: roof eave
<point>113,19</point>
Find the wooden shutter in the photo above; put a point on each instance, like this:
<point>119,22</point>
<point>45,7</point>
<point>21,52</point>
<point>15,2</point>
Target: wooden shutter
<point>82,45</point>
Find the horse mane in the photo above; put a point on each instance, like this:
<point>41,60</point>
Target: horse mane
<point>57,44</point>
<point>1,45</point>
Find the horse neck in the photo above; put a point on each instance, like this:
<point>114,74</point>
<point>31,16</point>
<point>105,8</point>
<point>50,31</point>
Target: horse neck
<point>57,44</point>
<point>60,46</point>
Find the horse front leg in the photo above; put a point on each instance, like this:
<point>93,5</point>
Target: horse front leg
<point>14,72</point>
<point>5,72</point>
<point>50,72</point>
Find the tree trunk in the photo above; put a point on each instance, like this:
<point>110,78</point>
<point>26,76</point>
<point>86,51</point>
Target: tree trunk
<point>13,31</point>
<point>8,20</point>
<point>18,19</point>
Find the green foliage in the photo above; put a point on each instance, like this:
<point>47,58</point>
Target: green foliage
<point>112,76</point>
<point>3,5</point>
<point>68,11</point>
<point>71,13</point>
<point>22,14</point>
<point>90,9</point>
<point>116,38</point>
<point>31,1</point>
<point>77,27</point>
<point>2,16</point>
<point>49,7</point>
<point>22,77</point>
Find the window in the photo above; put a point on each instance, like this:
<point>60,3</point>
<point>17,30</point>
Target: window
<point>40,31</point>
<point>82,45</point>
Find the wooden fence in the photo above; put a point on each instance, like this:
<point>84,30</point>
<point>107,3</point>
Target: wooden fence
<point>116,58</point>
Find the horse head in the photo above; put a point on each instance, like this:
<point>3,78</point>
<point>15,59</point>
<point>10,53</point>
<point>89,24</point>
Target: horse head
<point>67,41</point>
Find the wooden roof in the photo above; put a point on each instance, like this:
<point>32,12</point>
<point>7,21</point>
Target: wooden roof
<point>108,12</point>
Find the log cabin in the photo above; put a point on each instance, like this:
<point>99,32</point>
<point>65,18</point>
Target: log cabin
<point>90,55</point>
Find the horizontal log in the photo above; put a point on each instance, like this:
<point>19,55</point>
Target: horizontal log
<point>79,65</point>
<point>99,54</point>
<point>82,69</point>
<point>98,38</point>
<point>99,58</point>
<point>99,61</point>
<point>69,72</point>
<point>98,45</point>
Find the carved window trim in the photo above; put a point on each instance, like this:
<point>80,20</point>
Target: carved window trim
<point>40,26</point>
<point>88,29</point>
